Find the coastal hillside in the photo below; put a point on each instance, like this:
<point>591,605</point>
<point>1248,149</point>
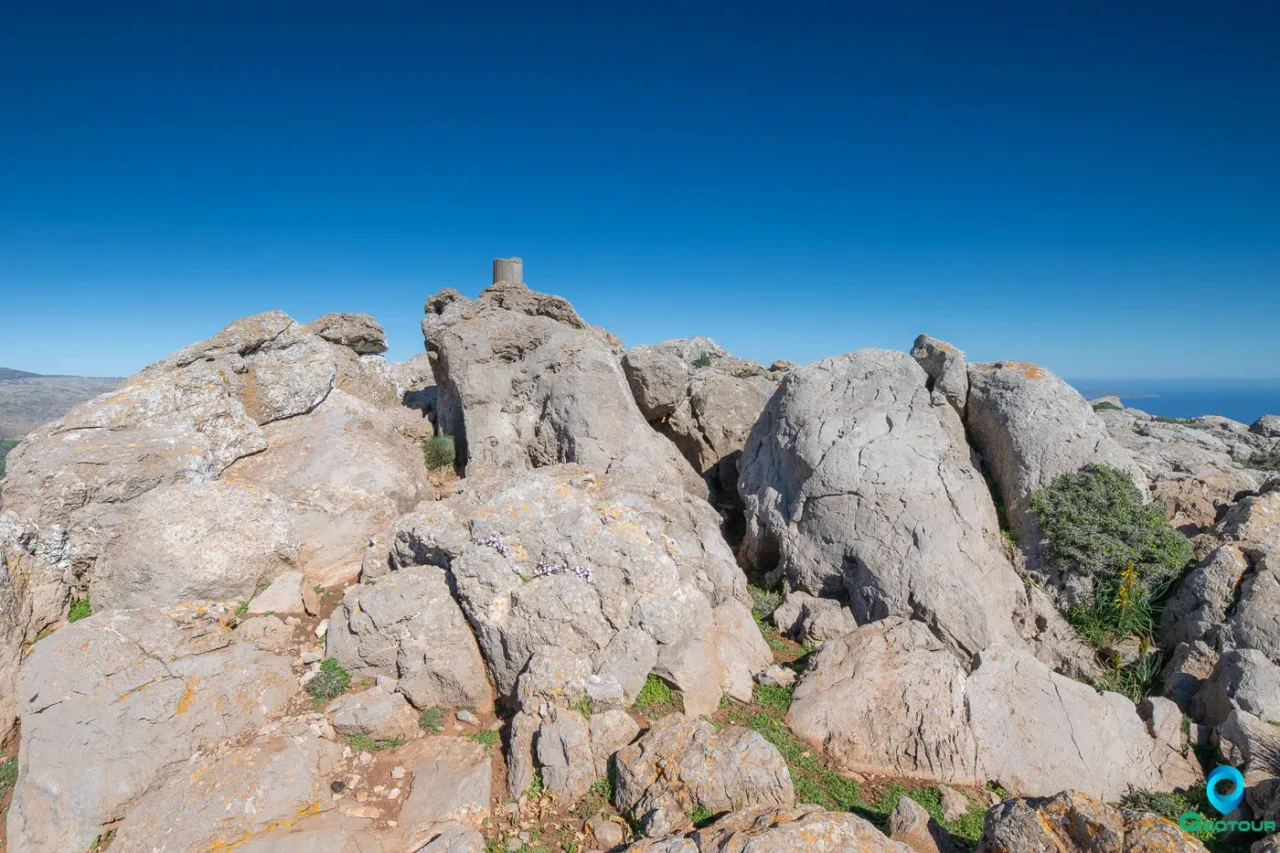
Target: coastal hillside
<point>29,399</point>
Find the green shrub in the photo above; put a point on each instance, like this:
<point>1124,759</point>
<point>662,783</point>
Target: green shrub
<point>432,719</point>
<point>1107,406</point>
<point>1137,680</point>
<point>8,774</point>
<point>655,698</point>
<point>440,452</point>
<point>702,361</point>
<point>486,737</point>
<point>776,700</point>
<point>700,817</point>
<point>363,743</point>
<point>330,682</point>
<point>1095,523</point>
<point>80,609</point>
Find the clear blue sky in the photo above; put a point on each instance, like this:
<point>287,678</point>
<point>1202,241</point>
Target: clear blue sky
<point>1091,185</point>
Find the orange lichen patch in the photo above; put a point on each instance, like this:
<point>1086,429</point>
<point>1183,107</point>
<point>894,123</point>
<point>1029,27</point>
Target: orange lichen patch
<point>128,693</point>
<point>283,823</point>
<point>518,551</point>
<point>563,489</point>
<point>1027,369</point>
<point>188,694</point>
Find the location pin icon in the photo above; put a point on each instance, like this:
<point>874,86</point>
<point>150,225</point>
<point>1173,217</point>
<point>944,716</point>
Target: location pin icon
<point>1225,803</point>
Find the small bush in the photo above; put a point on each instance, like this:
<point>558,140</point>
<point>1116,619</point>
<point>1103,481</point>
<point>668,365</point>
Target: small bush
<point>432,719</point>
<point>363,743</point>
<point>585,706</point>
<point>655,698</point>
<point>440,452</point>
<point>1136,680</point>
<point>702,361</point>
<point>700,817</point>
<point>80,609</point>
<point>1107,406</point>
<point>1095,524</point>
<point>243,610</point>
<point>330,682</point>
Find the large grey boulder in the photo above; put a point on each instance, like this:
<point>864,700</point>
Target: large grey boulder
<point>856,482</point>
<point>221,800</point>
<point>1244,679</point>
<point>629,575</point>
<point>524,383</point>
<point>565,755</point>
<point>1256,519</point>
<point>375,713</point>
<point>793,830</point>
<point>1254,622</point>
<point>1203,598</point>
<point>346,473</point>
<point>704,400</point>
<point>947,367</point>
<point>407,625</point>
<point>358,332</point>
<point>890,699</point>
<point>1030,427</point>
<point>682,764</point>
<point>113,704</point>
<point>219,541</point>
<point>811,620</point>
<point>1267,426</point>
<point>1073,822</point>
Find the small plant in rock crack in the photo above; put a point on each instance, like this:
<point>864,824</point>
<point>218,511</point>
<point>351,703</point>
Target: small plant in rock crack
<point>548,569</point>
<point>439,452</point>
<point>80,609</point>
<point>330,682</point>
<point>432,719</point>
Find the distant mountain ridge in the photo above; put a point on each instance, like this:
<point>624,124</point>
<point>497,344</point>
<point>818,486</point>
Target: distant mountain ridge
<point>28,400</point>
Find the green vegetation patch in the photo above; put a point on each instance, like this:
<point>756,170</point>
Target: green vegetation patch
<point>1172,805</point>
<point>702,361</point>
<point>5,446</point>
<point>656,698</point>
<point>330,682</point>
<point>440,452</point>
<point>432,719</point>
<point>486,737</point>
<point>80,609</point>
<point>363,743</point>
<point>1107,406</point>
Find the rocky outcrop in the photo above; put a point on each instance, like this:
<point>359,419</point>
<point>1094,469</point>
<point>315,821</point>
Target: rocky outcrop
<point>358,332</point>
<point>704,400</point>
<point>1030,427</point>
<point>811,620</point>
<point>408,626</point>
<point>778,830</point>
<point>1267,426</point>
<point>682,764</point>
<point>631,577</point>
<point>947,368</point>
<point>1244,679</point>
<point>857,483</point>
<point>1073,822</point>
<point>524,383</point>
<point>890,699</point>
<point>113,704</point>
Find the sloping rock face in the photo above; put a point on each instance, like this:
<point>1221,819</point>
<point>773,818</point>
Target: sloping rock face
<point>890,700</point>
<point>704,400</point>
<point>1072,822</point>
<point>947,367</point>
<point>626,575</point>
<point>524,383</point>
<point>856,481</point>
<point>802,829</point>
<point>1030,427</point>
<point>113,704</point>
<point>681,764</point>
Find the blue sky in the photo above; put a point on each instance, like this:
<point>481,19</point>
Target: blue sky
<point>1092,186</point>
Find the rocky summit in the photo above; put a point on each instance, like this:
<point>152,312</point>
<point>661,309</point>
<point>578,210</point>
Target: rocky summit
<point>535,590</point>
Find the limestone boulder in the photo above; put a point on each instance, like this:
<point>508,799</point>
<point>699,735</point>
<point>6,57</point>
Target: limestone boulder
<point>1073,822</point>
<point>793,830</point>
<point>452,782</point>
<point>219,541</point>
<point>346,472</point>
<point>224,799</point>
<point>1254,622</point>
<point>626,574</point>
<point>407,625</point>
<point>1030,427</point>
<point>912,825</point>
<point>947,368</point>
<point>682,764</point>
<point>1203,598</point>
<point>1267,426</point>
<point>811,620</point>
<point>610,731</point>
<point>890,700</point>
<point>565,755</point>
<point>375,713</point>
<point>113,704</point>
<point>1255,519</point>
<point>358,332</point>
<point>704,400</point>
<point>524,383</point>
<point>1244,679</point>
<point>858,484</point>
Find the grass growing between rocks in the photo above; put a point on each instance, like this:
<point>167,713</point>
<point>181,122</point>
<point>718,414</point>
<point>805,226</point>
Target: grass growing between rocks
<point>1107,406</point>
<point>656,699</point>
<point>364,743</point>
<point>80,609</point>
<point>816,781</point>
<point>1172,805</point>
<point>329,683</point>
<point>486,737</point>
<point>432,719</point>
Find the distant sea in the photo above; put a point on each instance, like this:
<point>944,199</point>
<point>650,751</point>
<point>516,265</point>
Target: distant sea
<point>1243,400</point>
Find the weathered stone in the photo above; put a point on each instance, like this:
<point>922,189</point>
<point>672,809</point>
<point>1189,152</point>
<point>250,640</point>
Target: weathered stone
<point>811,620</point>
<point>346,472</point>
<point>217,541</point>
<point>1267,426</point>
<point>284,595</point>
<point>553,678</point>
<point>113,703</point>
<point>409,626</point>
<point>777,676</point>
<point>1030,427</point>
<point>792,830</point>
<point>454,838</point>
<point>1072,822</point>
<point>1248,743</point>
<point>911,825</point>
<point>564,753</point>
<point>947,367</point>
<point>1204,596</point>
<point>520,766</point>
<point>562,559</point>
<point>358,332</point>
<point>265,633</point>
<point>854,481</point>
<point>607,833</point>
<point>955,805</point>
<point>376,713</point>
<point>1188,667</point>
<point>1164,721</point>
<point>452,777</point>
<point>610,732</point>
<point>1244,679</point>
<point>1255,621</point>
<point>890,700</point>
<point>220,801</point>
<point>523,383</point>
<point>1256,518</point>
<point>681,764</point>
